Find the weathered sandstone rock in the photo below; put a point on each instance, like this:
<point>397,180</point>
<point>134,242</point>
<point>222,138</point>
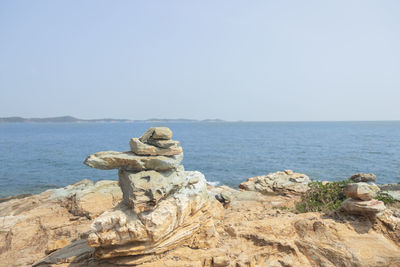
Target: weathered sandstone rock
<point>253,231</point>
<point>108,160</point>
<point>143,190</point>
<point>123,232</point>
<point>33,226</point>
<point>362,191</point>
<point>363,177</point>
<point>163,206</point>
<point>362,207</point>
<point>140,148</point>
<point>282,183</point>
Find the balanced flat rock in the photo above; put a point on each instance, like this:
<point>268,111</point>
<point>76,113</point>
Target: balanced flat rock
<point>108,160</point>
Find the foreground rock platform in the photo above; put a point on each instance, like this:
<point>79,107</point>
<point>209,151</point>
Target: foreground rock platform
<point>51,229</point>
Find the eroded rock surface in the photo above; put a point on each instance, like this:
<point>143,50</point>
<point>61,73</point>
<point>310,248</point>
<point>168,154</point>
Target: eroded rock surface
<point>261,230</point>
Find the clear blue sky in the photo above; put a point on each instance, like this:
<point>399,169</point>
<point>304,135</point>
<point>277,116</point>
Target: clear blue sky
<point>234,60</point>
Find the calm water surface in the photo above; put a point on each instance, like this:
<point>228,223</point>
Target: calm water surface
<point>35,157</point>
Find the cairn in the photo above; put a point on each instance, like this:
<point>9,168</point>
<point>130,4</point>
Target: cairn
<point>163,206</point>
<point>361,196</point>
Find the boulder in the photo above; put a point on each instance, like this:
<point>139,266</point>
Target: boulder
<point>175,218</point>
<point>363,177</point>
<point>362,191</point>
<point>362,207</point>
<point>156,133</point>
<point>108,160</point>
<point>143,190</point>
<point>281,183</point>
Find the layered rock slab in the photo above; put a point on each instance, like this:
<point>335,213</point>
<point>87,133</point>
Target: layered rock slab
<point>107,160</point>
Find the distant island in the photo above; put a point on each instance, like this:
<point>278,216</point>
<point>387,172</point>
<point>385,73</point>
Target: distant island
<point>70,119</point>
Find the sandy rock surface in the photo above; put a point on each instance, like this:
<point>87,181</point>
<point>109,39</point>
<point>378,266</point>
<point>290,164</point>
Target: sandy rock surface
<point>51,229</point>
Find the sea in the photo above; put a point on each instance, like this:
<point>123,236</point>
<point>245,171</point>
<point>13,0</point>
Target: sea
<point>35,157</point>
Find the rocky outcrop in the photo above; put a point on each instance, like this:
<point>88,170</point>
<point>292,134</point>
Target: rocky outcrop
<point>261,230</point>
<point>254,230</point>
<point>281,183</point>
<point>34,226</point>
<point>163,206</point>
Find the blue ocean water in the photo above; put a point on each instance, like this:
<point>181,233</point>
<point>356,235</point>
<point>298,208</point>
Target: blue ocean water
<point>35,157</point>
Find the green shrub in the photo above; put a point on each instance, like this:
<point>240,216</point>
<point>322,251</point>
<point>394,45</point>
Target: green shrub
<point>322,197</point>
<point>385,197</point>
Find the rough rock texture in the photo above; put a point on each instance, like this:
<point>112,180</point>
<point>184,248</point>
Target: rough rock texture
<point>282,183</point>
<point>363,177</point>
<point>362,191</point>
<point>143,190</point>
<point>123,232</point>
<point>255,230</point>
<point>34,226</point>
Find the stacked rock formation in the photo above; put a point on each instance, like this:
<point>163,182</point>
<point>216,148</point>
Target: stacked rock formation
<point>163,206</point>
<point>361,196</point>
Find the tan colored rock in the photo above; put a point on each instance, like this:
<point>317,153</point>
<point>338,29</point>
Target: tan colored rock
<point>282,183</point>
<point>362,207</point>
<point>33,226</point>
<point>221,261</point>
<point>108,160</point>
<point>251,233</point>
<point>142,149</point>
<point>361,191</point>
<point>175,219</point>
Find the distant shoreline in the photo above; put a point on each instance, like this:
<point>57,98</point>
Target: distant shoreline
<point>70,119</point>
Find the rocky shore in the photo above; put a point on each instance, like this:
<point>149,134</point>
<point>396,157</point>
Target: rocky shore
<point>158,214</point>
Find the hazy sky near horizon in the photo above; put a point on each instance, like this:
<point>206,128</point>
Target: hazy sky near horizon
<point>234,60</point>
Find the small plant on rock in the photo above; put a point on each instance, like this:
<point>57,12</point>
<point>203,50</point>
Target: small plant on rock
<point>322,197</point>
<point>385,197</point>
